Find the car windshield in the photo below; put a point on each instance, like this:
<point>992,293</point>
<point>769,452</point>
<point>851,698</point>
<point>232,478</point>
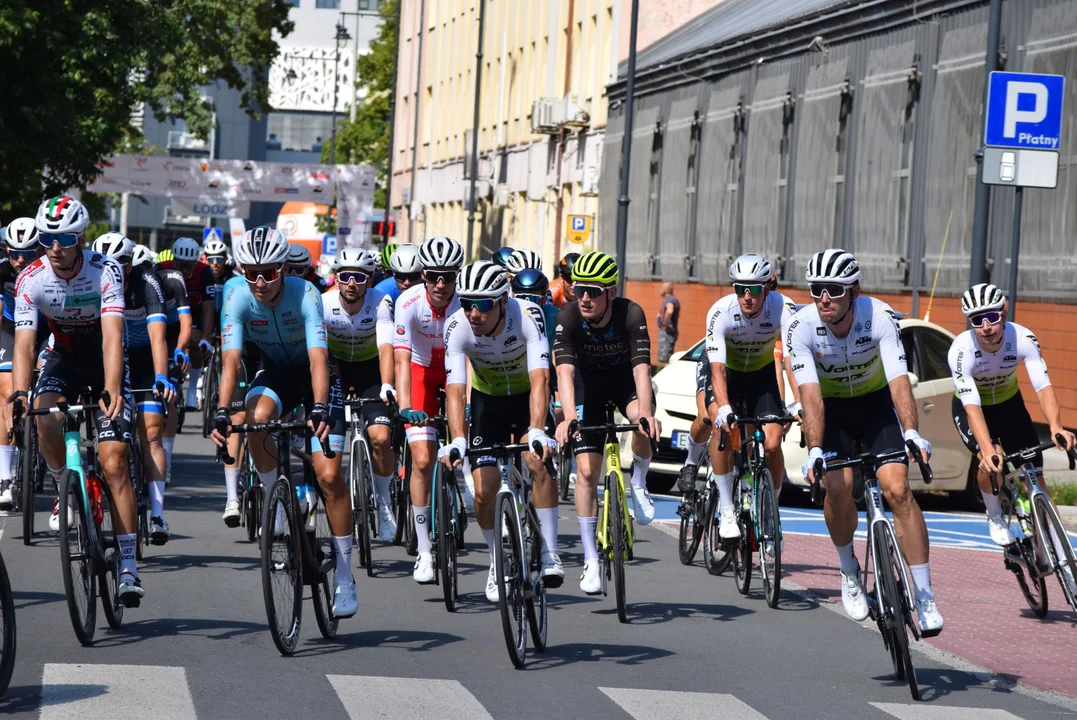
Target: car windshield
<point>696,352</point>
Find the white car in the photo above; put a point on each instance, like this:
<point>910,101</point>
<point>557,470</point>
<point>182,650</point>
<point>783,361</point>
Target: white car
<point>926,348</point>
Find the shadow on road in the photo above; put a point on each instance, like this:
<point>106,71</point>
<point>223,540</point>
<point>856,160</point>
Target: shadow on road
<point>938,683</point>
<point>653,613</point>
<point>172,563</point>
<point>134,632</point>
<point>409,640</point>
<point>28,599</point>
<point>573,653</point>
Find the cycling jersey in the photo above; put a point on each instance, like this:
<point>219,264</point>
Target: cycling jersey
<point>227,274</point>
<point>865,360</point>
<point>742,343</point>
<point>420,327</point>
<point>73,307</point>
<point>283,333</point>
<point>174,290</point>
<point>199,287</point>
<point>501,364</point>
<point>7,281</point>
<point>144,304</point>
<point>623,342</point>
<point>549,314</point>
<point>990,378</point>
<point>390,288</point>
<point>357,338</point>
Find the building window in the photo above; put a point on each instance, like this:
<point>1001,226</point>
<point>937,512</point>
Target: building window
<point>293,3</point>
<point>327,4</point>
<point>302,131</point>
<point>369,5</point>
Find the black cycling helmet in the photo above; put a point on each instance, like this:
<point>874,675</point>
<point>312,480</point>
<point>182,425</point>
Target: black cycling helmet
<point>564,268</point>
<point>530,282</point>
<point>501,256</point>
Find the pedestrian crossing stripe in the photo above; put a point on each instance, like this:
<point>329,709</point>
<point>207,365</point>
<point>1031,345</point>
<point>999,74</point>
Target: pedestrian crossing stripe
<point>664,704</point>
<point>926,712</point>
<point>406,697</point>
<point>115,691</point>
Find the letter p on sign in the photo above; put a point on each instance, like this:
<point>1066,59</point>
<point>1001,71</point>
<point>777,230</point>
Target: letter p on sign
<point>1014,91</point>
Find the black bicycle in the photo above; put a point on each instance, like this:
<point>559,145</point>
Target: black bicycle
<point>29,479</point>
<point>361,481</point>
<point>7,628</point>
<point>211,385</point>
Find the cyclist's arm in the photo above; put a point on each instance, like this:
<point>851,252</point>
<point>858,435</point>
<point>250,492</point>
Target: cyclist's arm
<point>540,396</point>
<point>892,353</point>
<point>317,343</point>
<point>155,322</point>
<point>566,388</point>
<point>209,304</point>
<point>402,352</point>
<point>564,352</point>
<point>383,333</point>
<point>538,364</point>
<point>26,317</point>
<point>319,374</point>
<point>230,364</point>
<point>1029,348</point>
<point>233,318</point>
<point>798,351</point>
<point>455,401</point>
<point>112,350</point>
<point>961,360</point>
<point>458,337</point>
<point>639,349</point>
<point>715,350</point>
<point>185,324</point>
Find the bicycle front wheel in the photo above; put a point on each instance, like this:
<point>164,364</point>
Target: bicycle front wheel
<point>537,611</point>
<point>770,538</point>
<point>509,570</point>
<point>210,389</point>
<point>716,556</point>
<point>742,550</point>
<point>893,606</point>
<point>691,529</point>
<point>1057,544</point>
<point>446,536</point>
<point>109,579</point>
<point>282,574</point>
<point>7,628</point>
<point>360,511</point>
<point>77,552</point>
<point>321,547</point>
<point>618,539</point>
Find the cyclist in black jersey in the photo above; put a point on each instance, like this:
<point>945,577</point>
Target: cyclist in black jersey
<point>602,351</point>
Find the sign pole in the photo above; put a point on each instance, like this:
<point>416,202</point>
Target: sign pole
<point>1015,246</point>
<point>626,151</point>
<point>978,260</point>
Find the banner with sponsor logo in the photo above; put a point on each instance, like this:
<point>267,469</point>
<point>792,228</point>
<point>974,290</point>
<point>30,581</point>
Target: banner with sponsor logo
<point>210,207</point>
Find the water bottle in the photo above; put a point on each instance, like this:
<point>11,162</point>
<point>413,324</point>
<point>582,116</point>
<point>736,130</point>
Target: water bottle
<point>746,489</point>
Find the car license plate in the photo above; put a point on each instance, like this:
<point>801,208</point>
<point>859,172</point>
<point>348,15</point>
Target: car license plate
<point>680,439</point>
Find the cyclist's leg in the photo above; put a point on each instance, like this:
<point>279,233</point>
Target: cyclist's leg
<point>379,435</point>
<point>196,360</point>
<point>263,405</point>
<point>764,398</point>
<point>7,448</point>
<point>237,415</point>
<point>839,510</point>
<point>113,451</point>
<point>624,395</point>
<point>425,382</point>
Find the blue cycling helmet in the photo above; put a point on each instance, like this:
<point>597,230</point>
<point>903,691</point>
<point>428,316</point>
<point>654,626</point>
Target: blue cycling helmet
<point>501,256</point>
<point>530,282</point>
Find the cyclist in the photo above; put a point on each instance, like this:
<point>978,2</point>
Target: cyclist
<point>501,256</point>
<point>523,260</point>
<point>561,288</point>
<point>200,282</point>
<point>533,286</point>
<point>164,256</point>
<point>22,249</point>
<point>406,271</point>
<point>81,294</point>
<point>602,351</point>
<point>216,257</point>
<point>849,363</point>
<point>419,348</point>
<point>742,329</point>
<point>301,265</point>
<point>147,364</point>
<point>988,409</point>
<point>283,316</point>
<point>505,340</point>
<point>359,323</point>
<point>143,255</point>
<point>384,267</point>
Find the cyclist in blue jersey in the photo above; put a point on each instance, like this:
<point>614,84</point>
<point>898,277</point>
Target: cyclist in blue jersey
<point>404,262</point>
<point>283,316</point>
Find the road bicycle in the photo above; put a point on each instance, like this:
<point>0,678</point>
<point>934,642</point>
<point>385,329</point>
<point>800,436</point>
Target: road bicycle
<point>211,386</point>
<point>363,494</point>
<point>698,512</point>
<point>7,628</point>
<point>29,479</point>
<point>890,601</point>
<point>1042,546</point>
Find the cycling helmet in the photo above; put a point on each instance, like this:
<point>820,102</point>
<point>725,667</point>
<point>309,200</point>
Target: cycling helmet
<point>186,250</point>
<point>595,267</point>
<point>530,282</point>
<point>564,268</point>
<point>114,245</point>
<point>750,268</point>
<point>22,234</point>
<point>299,255</point>
<point>523,260</point>
<point>483,279</point>
<point>164,256</point>
<point>214,248</point>
<point>405,260</point>
<point>836,266</point>
<point>387,254</point>
<point>262,245</point>
<point>62,214</point>
<point>441,252</point>
<point>142,255</point>
<point>982,298</point>
<point>355,259</point>
<point>501,256</point>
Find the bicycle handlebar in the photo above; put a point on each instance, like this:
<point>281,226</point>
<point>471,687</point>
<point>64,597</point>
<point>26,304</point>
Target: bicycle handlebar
<point>1028,453</point>
<point>268,427</point>
<point>575,429</point>
<point>910,450</point>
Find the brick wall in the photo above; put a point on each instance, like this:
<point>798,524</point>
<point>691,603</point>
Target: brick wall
<point>1052,323</point>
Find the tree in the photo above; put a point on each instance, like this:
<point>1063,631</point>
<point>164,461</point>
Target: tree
<point>74,71</point>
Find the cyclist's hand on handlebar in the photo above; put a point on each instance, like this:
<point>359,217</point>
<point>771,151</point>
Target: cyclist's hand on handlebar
<point>165,389</point>
<point>921,443</point>
<point>650,426</point>
<point>181,360</point>
<point>808,468</point>
<point>561,433</point>
<point>991,463</point>
<point>388,392</point>
<point>549,446</point>
<point>18,409</point>
<point>452,455</point>
<point>724,414</point>
<point>114,406</point>
<point>318,422</point>
<point>222,427</point>
<point>1069,437</point>
<point>413,417</point>
<point>206,348</point>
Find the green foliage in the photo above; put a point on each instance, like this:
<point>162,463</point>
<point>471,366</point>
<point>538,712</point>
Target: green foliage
<point>1064,494</point>
<point>74,70</point>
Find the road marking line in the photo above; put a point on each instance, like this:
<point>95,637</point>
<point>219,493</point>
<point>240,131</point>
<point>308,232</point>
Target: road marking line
<point>73,692</point>
<point>389,698</point>
<point>666,704</point>
<point>918,711</point>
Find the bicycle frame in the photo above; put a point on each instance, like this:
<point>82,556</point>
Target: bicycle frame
<point>877,517</point>
<point>613,465</point>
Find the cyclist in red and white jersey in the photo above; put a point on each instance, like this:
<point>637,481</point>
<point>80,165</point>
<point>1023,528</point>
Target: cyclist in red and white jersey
<point>419,347</point>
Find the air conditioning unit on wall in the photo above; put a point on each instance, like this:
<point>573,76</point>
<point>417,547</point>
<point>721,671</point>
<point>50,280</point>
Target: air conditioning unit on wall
<point>573,114</point>
<point>547,115</point>
<point>589,186</point>
<point>502,196</point>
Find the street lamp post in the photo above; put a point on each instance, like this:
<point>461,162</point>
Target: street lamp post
<point>475,130</point>
<point>626,151</point>
<point>342,38</point>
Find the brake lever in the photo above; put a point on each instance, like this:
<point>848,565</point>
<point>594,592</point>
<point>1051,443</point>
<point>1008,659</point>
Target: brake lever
<point>817,486</point>
<point>1070,454</point>
<point>925,469</point>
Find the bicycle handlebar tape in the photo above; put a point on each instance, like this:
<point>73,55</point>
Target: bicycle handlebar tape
<point>1072,456</point>
<point>994,476</point>
<point>817,486</point>
<point>721,440</point>
<point>925,469</point>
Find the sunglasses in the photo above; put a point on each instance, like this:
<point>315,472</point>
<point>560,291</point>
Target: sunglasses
<point>22,254</point>
<point>346,277</point>
<point>988,318</point>
<point>753,290</point>
<point>483,305</point>
<point>267,276</point>
<point>537,299</point>
<point>408,277</point>
<point>66,240</point>
<point>589,291</point>
<point>832,289</point>
<point>293,270</point>
<point>434,277</point>
<point>215,260</point>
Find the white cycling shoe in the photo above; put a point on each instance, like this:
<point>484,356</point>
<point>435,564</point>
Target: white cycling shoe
<point>386,523</point>
<point>345,599</point>
<point>590,582</point>
<point>727,527</point>
<point>491,585</point>
<point>231,513</point>
<point>644,506</point>
<point>553,573</point>
<point>853,597</point>
<point>6,500</point>
<point>424,569</point>
<point>1000,531</point>
<point>929,616</point>
<point>54,518</point>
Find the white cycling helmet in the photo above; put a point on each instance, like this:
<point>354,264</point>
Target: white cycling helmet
<point>300,256</point>
<point>214,248</point>
<point>114,245</point>
<point>262,245</point>
<point>142,255</point>
<point>356,259</point>
<point>982,298</point>
<point>405,260</point>
<point>750,268</point>
<point>62,214</point>
<point>832,266</point>
<point>523,260</point>
<point>22,234</point>
<point>483,279</point>
<point>186,250</point>
<point>441,252</point>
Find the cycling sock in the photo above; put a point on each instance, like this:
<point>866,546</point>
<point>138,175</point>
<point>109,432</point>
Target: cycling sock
<point>7,455</point>
<point>847,559</point>
<point>381,483</point>
<point>343,546</point>
<point>696,451</point>
<point>991,504</point>
<point>157,498</point>
<point>192,387</point>
<point>168,443</point>
<point>127,553</point>
<point>469,484</point>
<point>547,518</point>
<point>231,483</point>
<point>921,580</point>
<point>422,528</point>
<point>488,536</point>
<point>640,466</point>
<point>587,536</point>
<point>725,491</point>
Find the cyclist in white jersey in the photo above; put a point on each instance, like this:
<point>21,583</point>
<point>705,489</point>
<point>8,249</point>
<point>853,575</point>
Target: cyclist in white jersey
<point>505,340</point>
<point>848,360</point>
<point>742,330</point>
<point>988,409</point>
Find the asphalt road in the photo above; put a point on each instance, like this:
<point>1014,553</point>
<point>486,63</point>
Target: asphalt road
<point>199,645</point>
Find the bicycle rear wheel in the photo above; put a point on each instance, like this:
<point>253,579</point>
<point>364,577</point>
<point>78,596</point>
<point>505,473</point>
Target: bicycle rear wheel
<point>691,530</point>
<point>446,538</point>
<point>619,545</point>
<point>742,550</point>
<point>77,553</point>
<point>320,545</point>
<point>509,564</point>
<point>716,556</point>
<point>210,388</point>
<point>7,628</point>
<point>282,574</point>
<point>29,466</point>
<point>537,611</point>
<point>409,539</point>
<point>770,538</point>
<point>360,511</point>
<point>894,607</point>
<point>109,579</point>
<point>1061,553</point>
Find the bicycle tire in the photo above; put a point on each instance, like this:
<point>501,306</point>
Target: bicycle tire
<point>284,614</point>
<point>1047,518</point>
<point>360,511</point>
<point>716,556</point>
<point>210,390</point>
<point>323,552</point>
<point>691,529</point>
<point>618,540</point>
<point>508,564</point>
<point>537,609</point>
<point>770,538</point>
<point>77,553</point>
<point>398,493</point>
<point>446,537</point>
<point>411,537</point>
<point>742,550</point>
<point>135,469</point>
<point>7,628</point>
<point>893,605</point>
<point>564,469</point>
<point>30,465</point>
<point>109,578</point>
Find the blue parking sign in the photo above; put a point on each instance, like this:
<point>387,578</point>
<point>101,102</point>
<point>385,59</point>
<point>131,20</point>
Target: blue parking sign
<point>329,245</point>
<point>1024,110</point>
<point>579,222</point>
